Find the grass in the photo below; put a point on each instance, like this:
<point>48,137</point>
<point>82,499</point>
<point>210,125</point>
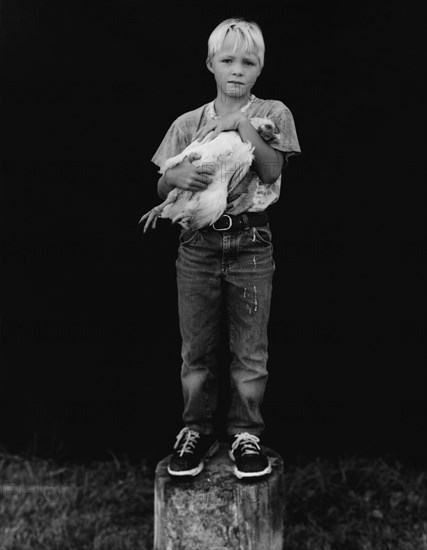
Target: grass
<point>356,504</point>
<point>101,506</point>
<point>343,504</point>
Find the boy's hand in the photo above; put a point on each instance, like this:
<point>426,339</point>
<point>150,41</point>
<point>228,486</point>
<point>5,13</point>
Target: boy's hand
<point>189,177</point>
<point>221,124</point>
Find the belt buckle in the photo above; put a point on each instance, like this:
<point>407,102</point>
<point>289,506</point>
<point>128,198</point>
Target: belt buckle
<point>223,228</point>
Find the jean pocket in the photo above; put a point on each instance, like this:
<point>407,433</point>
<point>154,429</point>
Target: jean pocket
<point>188,236</point>
<point>263,235</point>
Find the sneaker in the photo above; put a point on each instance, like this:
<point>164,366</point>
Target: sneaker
<point>190,450</point>
<point>249,460</point>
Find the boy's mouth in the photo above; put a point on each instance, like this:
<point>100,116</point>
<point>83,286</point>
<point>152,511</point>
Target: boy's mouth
<point>236,82</point>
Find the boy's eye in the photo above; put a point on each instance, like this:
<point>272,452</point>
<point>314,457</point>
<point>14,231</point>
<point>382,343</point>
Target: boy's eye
<point>249,63</point>
<point>226,60</point>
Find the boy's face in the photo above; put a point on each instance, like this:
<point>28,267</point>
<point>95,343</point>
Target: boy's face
<point>235,71</point>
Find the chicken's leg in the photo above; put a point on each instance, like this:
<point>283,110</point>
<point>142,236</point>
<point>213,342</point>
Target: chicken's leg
<point>183,220</point>
<point>155,212</point>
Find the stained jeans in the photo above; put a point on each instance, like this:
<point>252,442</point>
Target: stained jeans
<point>231,269</point>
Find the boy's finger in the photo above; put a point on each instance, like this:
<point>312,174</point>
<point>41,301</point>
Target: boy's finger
<point>213,135</point>
<point>193,156</point>
<point>205,180</point>
<point>199,133</point>
<point>206,169</point>
<point>198,186</point>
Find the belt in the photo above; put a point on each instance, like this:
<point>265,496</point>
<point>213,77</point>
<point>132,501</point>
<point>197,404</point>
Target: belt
<point>227,222</point>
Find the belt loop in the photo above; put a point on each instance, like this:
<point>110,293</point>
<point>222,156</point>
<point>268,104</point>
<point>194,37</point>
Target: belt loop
<point>245,221</point>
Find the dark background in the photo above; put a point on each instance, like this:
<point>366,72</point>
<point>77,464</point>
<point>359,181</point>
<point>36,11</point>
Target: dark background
<point>90,341</point>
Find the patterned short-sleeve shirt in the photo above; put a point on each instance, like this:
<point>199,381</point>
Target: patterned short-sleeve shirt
<point>250,194</point>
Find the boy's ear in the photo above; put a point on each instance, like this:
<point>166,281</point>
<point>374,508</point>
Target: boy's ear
<point>209,65</point>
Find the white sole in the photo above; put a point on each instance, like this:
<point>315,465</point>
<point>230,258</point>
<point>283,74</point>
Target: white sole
<point>242,475</point>
<point>195,471</point>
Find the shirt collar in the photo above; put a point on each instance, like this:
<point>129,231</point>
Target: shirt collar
<point>211,107</point>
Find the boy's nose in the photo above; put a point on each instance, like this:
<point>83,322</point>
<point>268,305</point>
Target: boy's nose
<point>237,69</point>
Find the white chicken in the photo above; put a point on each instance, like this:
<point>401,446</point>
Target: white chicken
<point>231,159</point>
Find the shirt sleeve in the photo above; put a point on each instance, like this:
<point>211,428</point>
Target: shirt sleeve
<point>173,143</point>
<point>287,140</point>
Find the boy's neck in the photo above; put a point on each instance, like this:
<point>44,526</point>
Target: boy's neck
<point>224,105</point>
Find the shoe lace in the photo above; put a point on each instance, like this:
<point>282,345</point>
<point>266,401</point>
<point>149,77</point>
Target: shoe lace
<point>249,443</point>
<point>188,439</point>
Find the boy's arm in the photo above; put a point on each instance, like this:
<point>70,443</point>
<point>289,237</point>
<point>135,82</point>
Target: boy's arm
<point>164,187</point>
<point>185,176</point>
<point>268,162</point>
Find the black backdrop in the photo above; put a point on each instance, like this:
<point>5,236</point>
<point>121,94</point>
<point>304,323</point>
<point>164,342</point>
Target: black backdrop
<point>90,343</point>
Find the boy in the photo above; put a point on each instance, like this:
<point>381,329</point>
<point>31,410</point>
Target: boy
<point>229,264</point>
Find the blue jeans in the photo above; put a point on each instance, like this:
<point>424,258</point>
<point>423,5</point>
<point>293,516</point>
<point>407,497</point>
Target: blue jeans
<point>231,270</point>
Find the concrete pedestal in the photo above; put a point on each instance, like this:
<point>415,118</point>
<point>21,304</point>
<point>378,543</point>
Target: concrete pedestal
<point>217,511</point>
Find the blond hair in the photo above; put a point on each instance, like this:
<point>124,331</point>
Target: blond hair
<point>248,38</point>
